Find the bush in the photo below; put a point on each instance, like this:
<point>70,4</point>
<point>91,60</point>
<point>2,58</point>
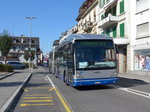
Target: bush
<point>9,68</point>
<point>26,64</point>
<point>6,68</point>
<point>2,68</point>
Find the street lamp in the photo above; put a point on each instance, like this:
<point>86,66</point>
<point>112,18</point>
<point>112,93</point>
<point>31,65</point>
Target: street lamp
<point>30,18</point>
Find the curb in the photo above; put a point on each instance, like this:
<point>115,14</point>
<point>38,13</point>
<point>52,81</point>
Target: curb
<point>10,101</point>
<point>7,75</point>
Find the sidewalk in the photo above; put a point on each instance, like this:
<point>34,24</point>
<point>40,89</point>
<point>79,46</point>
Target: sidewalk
<point>144,78</point>
<point>9,85</point>
<point>134,81</point>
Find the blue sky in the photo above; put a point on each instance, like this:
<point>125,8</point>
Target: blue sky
<point>52,18</point>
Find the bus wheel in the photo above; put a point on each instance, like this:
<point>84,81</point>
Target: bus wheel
<point>55,75</point>
<point>65,80</point>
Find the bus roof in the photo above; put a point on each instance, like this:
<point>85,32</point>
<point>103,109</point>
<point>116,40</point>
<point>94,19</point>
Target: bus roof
<point>84,37</point>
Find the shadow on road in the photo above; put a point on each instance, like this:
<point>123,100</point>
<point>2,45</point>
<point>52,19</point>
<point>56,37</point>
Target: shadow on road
<point>93,87</point>
<point>9,84</point>
<point>126,82</point>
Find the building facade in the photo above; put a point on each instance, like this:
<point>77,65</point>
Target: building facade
<point>140,36</point>
<point>114,21</point>
<point>20,45</point>
<point>87,18</point>
<point>127,22</point>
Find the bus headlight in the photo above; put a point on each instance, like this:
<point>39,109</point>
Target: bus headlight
<point>79,76</point>
<point>114,74</point>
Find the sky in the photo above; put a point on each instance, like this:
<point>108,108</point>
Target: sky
<point>52,18</point>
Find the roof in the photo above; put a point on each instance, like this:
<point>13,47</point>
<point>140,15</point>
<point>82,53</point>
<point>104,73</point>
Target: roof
<point>84,37</point>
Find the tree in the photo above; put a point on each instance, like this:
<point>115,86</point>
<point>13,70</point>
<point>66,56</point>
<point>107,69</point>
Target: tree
<point>6,43</point>
<point>28,55</point>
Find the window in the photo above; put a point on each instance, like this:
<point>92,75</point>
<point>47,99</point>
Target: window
<point>143,30</point>
<point>121,6</point>
<point>141,5</point>
<point>142,60</point>
<point>122,30</point>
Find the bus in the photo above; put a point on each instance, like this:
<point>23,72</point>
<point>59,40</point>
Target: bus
<point>86,59</point>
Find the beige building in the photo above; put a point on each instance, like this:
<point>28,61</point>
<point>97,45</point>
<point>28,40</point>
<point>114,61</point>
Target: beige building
<point>87,18</point>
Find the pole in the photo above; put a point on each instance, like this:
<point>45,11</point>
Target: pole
<point>30,26</point>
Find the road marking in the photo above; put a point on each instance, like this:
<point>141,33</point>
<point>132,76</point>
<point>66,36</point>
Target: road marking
<point>60,96</point>
<point>133,91</point>
<point>50,100</point>
<point>51,89</point>
<point>36,97</point>
<point>63,101</point>
<point>46,104</point>
<point>26,90</point>
<point>40,88</point>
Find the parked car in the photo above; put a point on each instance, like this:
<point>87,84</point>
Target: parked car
<point>17,65</point>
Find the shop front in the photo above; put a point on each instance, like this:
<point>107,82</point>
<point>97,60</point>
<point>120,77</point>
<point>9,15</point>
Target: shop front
<point>142,60</point>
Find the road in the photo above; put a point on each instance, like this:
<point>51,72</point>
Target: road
<point>105,98</point>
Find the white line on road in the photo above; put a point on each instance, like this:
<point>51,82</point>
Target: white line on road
<point>133,91</point>
<point>61,97</point>
<point>51,81</point>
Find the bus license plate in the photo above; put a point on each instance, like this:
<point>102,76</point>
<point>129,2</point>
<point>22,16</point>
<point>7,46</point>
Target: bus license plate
<point>97,82</point>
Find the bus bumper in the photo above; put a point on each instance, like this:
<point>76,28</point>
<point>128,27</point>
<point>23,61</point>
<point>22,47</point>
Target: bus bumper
<point>88,82</point>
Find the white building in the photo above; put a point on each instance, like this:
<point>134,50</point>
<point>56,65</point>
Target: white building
<point>114,21</point>
<point>139,36</point>
<point>128,22</point>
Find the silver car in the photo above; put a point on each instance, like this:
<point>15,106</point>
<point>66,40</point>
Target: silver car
<point>17,65</point>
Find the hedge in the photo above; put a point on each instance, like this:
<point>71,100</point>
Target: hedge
<point>6,68</point>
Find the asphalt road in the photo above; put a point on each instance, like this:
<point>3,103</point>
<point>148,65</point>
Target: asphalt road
<point>40,96</point>
<point>83,99</point>
<point>102,99</point>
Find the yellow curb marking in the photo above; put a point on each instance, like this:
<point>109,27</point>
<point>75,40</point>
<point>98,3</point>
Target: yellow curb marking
<point>26,90</point>
<point>46,104</point>
<point>37,100</point>
<point>63,101</point>
<point>51,89</point>
<point>36,97</point>
<point>40,88</point>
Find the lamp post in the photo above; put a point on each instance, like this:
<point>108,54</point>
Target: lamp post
<point>30,18</point>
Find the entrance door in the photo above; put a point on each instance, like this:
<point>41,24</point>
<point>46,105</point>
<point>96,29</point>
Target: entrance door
<point>124,50</point>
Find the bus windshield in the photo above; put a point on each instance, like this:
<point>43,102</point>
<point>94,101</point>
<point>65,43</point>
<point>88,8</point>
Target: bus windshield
<point>97,54</point>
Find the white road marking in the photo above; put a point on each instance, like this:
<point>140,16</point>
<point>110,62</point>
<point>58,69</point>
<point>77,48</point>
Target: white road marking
<point>57,90</point>
<point>133,91</point>
<point>51,81</point>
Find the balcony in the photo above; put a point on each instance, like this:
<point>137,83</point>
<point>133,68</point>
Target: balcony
<point>121,41</point>
<point>87,26</point>
<point>108,21</point>
<point>110,3</point>
<point>75,29</point>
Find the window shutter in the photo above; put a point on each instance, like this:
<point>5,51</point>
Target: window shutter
<point>122,30</point>
<point>121,7</point>
<point>114,31</point>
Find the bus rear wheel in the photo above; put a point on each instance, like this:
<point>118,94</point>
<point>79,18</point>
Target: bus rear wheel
<point>65,80</point>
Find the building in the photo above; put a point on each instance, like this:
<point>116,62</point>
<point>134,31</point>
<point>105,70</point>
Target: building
<point>20,45</point>
<point>87,19</point>
<point>127,22</point>
<point>114,21</point>
<point>139,58</point>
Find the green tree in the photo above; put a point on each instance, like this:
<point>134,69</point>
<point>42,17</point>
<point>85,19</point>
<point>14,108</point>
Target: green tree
<point>28,55</point>
<point>6,43</point>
